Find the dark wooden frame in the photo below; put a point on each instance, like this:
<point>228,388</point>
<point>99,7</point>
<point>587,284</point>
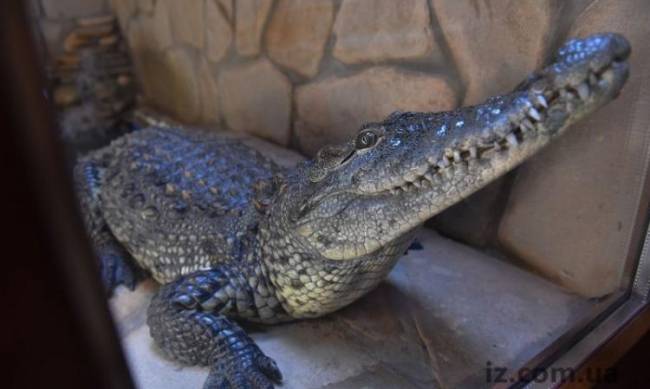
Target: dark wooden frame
<point>58,328</point>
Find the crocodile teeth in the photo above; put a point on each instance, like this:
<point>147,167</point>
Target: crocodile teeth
<point>526,125</point>
<point>512,139</point>
<point>541,101</point>
<point>410,177</point>
<point>567,94</point>
<point>457,157</point>
<point>417,184</point>
<point>473,152</point>
<point>533,113</point>
<point>583,91</point>
<point>444,162</point>
<point>608,75</point>
<point>570,106</point>
<point>422,169</point>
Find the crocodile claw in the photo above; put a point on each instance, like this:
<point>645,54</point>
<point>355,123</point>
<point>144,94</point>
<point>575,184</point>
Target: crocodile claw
<point>115,270</point>
<point>260,372</point>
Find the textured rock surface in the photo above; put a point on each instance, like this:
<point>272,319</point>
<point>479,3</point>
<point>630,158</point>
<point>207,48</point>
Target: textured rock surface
<point>208,94</point>
<point>298,32</point>
<point>124,10</point>
<point>417,330</point>
<point>147,58</point>
<point>61,9</point>
<point>161,25</point>
<point>379,30</point>
<point>572,208</point>
<point>256,99</point>
<point>228,7</point>
<point>89,72</point>
<point>52,36</point>
<point>251,17</point>
<point>218,34</point>
<point>182,85</point>
<point>187,21</point>
<point>152,32</point>
<point>331,110</point>
<point>146,5</point>
<point>178,95</point>
<point>494,44</point>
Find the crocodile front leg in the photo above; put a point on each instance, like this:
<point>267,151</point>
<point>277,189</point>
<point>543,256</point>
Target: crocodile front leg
<point>186,319</point>
<point>115,264</point>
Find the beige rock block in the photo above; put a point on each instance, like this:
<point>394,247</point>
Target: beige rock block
<point>65,95</point>
<point>187,21</point>
<point>137,38</point>
<point>168,79</point>
<point>66,9</point>
<point>298,32</point>
<point>96,20</point>
<point>380,30</point>
<point>146,6</point>
<point>182,86</point>
<point>228,7</point>
<point>150,32</point>
<point>124,10</point>
<point>572,209</point>
<point>495,44</point>
<point>208,94</point>
<point>218,34</point>
<point>161,26</point>
<point>331,110</point>
<point>68,60</point>
<point>256,99</point>
<point>52,34</point>
<point>86,36</point>
<point>251,17</point>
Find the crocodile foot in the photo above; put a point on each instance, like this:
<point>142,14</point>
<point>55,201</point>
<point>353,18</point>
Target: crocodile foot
<point>116,270</point>
<point>250,369</point>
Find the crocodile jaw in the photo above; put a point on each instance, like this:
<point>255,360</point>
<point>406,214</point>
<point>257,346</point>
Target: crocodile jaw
<point>426,162</point>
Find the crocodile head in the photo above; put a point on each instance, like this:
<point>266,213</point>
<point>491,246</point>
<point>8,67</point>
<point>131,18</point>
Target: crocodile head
<point>360,196</point>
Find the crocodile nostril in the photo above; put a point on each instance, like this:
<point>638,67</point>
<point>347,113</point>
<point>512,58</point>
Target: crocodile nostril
<point>622,48</point>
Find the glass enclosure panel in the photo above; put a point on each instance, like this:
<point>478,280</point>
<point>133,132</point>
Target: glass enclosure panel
<point>508,277</point>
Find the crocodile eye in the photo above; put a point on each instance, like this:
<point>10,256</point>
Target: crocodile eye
<point>366,139</point>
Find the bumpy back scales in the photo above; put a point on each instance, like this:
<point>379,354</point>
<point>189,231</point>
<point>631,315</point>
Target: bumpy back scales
<point>181,202</point>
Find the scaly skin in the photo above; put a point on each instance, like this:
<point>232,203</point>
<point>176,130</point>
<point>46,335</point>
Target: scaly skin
<point>230,234</point>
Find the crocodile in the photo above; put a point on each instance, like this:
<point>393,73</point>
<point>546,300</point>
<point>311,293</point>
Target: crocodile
<point>231,236</point>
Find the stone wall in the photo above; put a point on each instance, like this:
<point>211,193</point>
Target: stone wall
<point>87,63</point>
<point>57,18</point>
<point>304,73</point>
